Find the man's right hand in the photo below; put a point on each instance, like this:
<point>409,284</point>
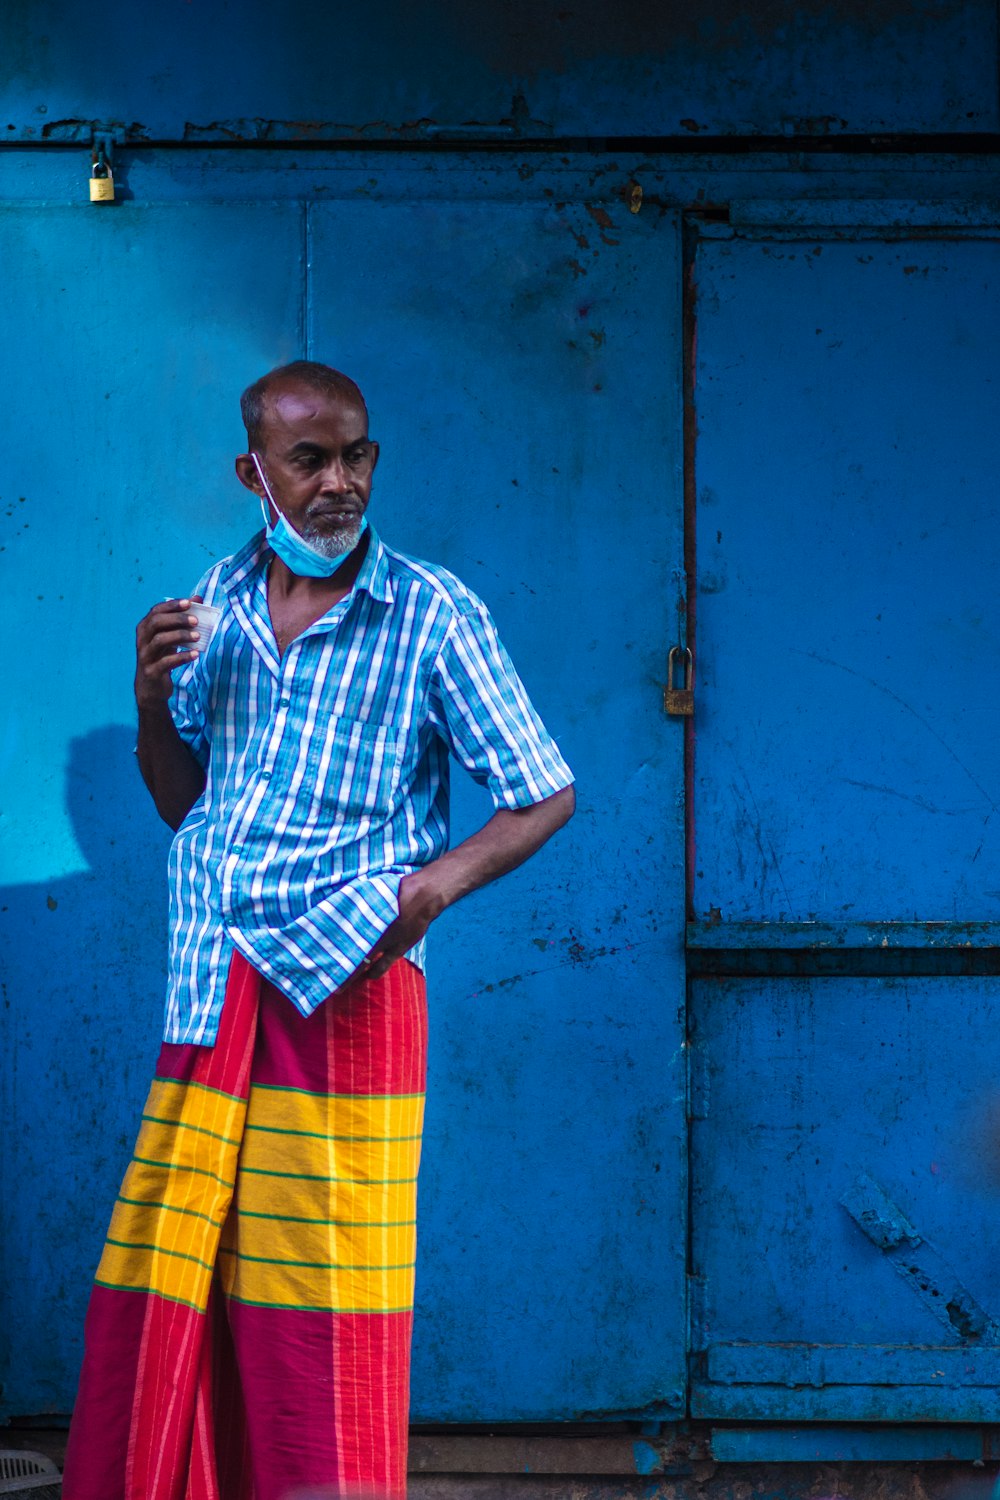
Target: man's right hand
<point>164,639</point>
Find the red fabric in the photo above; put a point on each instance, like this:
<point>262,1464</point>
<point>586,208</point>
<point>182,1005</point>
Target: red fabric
<point>242,1402</point>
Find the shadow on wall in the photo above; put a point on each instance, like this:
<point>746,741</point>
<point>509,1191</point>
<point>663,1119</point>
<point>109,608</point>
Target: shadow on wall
<point>78,939</point>
<point>83,981</point>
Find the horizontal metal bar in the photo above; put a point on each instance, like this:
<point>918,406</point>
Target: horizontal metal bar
<point>846,1444</point>
<point>843,963</point>
<point>843,1403</point>
<point>718,934</point>
<point>820,1365</point>
<point>489,1454</point>
<point>515,170</point>
<point>874,213</point>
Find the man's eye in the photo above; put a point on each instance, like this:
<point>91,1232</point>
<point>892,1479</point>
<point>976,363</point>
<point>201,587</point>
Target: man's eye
<point>357,455</point>
<point>307,460</point>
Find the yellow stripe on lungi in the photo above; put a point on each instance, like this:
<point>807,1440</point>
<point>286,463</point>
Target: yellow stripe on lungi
<point>165,1227</point>
<point>325,1216</point>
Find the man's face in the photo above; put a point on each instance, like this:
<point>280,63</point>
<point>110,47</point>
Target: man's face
<point>319,463</point>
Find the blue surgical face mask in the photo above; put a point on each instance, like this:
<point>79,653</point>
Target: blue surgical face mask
<point>298,555</point>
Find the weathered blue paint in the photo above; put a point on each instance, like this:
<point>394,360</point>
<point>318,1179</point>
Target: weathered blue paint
<point>805,1085</point>
<point>447,70</point>
<point>924,1270</point>
<point>647,1458</point>
<point>844,479</point>
<point>512,310</point>
<point>717,934</point>
<point>505,348</point>
<point>844,1444</point>
<point>846,469</point>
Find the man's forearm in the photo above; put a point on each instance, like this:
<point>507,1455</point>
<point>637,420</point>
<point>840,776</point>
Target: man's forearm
<point>509,838</point>
<point>173,775</point>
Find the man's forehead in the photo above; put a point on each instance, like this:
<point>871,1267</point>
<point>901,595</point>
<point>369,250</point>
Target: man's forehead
<point>298,409</point>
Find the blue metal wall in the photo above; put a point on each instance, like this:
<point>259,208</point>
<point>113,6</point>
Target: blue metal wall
<point>502,362</point>
<point>844,489</point>
<point>200,70</point>
<point>520,333</point>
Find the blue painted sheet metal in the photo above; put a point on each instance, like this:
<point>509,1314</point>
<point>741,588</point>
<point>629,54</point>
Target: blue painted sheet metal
<point>504,353</point>
<point>845,468</point>
<point>802,1092</point>
<point>714,933</point>
<point>935,1365</point>
<point>445,70</point>
<point>908,1406</point>
<point>504,359</point>
<point>127,335</point>
<point>844,1444</point>
<point>783,190</point>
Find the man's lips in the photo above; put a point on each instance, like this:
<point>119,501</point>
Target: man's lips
<point>334,511</point>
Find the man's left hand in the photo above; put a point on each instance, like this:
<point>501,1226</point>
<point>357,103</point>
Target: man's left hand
<point>421,899</point>
<point>510,836</point>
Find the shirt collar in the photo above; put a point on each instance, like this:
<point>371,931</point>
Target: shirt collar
<point>375,577</point>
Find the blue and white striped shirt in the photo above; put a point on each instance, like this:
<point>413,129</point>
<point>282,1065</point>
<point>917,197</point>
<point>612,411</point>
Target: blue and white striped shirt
<point>327,772</point>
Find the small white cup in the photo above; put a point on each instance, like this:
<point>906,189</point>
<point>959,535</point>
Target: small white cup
<point>208,616</point>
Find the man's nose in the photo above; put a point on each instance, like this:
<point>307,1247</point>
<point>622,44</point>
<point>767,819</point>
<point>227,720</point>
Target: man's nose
<point>336,476</point>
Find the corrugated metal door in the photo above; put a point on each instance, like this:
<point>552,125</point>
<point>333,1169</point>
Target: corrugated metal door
<point>845,1158</point>
<point>526,392</point>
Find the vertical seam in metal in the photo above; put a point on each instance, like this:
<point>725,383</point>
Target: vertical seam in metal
<point>306,313</point>
<point>689,434</point>
<point>690,431</point>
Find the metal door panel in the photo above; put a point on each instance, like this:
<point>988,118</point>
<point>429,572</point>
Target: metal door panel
<point>845,1198</point>
<point>504,365</point>
<point>127,336</point>
<point>527,402</point>
<point>847,624</point>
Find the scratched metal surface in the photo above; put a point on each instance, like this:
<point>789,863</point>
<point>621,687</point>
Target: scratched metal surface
<point>520,68</point>
<point>506,349</point>
<point>847,622</point>
<point>845,1199</point>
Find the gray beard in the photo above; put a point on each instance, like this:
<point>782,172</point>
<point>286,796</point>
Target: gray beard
<point>333,543</point>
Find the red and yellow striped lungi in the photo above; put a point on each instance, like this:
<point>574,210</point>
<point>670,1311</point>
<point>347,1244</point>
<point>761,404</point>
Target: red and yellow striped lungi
<point>249,1329</point>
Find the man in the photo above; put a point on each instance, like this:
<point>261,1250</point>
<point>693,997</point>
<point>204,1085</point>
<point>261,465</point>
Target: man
<point>249,1329</point>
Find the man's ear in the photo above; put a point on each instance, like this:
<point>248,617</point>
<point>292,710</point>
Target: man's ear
<point>246,472</point>
<point>374,452</point>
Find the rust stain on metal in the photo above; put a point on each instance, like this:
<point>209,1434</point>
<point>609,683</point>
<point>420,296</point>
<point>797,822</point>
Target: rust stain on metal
<point>603,220</point>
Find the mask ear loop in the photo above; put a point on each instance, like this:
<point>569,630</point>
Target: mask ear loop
<point>267,490</point>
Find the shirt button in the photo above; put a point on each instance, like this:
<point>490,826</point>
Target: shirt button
<point>265,775</point>
<point>284,702</point>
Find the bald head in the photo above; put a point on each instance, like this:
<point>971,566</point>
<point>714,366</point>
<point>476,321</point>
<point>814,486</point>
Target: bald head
<point>301,374</point>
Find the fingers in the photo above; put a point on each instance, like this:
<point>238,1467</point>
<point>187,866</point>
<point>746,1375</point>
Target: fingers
<point>167,627</point>
<point>377,964</point>
<point>165,638</point>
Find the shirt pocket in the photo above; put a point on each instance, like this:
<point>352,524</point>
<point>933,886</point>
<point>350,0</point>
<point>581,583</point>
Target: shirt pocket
<point>356,765</point>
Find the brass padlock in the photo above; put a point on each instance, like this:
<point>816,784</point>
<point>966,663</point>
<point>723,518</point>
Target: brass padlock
<point>679,701</point>
<point>102,183</point>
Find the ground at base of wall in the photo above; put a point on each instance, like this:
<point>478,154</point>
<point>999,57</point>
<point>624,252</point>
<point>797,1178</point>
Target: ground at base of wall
<point>701,1481</point>
<point>854,1481</point>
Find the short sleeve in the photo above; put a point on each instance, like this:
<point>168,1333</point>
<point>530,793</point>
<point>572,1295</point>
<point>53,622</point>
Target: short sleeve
<point>483,712</point>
